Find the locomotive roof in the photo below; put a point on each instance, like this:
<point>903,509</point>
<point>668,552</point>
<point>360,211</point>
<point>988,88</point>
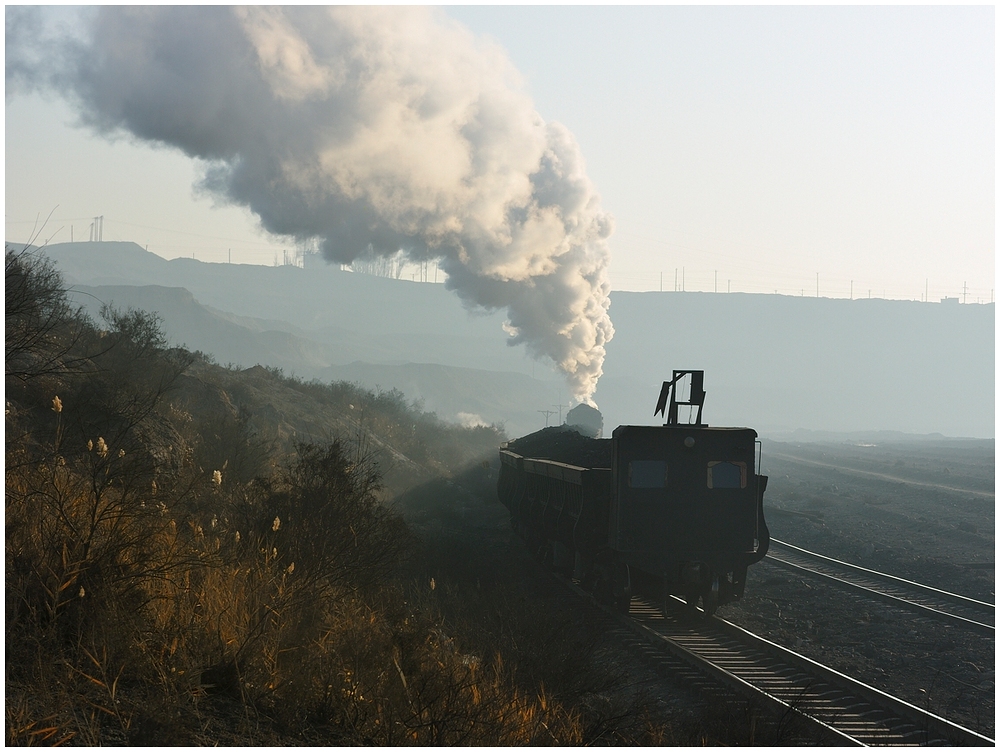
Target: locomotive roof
<point>563,444</point>
<point>687,427</point>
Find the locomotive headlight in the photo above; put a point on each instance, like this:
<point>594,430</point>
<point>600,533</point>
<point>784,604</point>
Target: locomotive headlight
<point>689,442</point>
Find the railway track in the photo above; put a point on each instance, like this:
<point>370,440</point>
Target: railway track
<point>975,615</point>
<point>817,700</point>
<point>840,710</point>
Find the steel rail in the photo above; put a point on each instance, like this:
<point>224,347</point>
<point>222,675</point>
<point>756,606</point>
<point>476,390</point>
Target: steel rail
<point>767,697</point>
<point>976,615</point>
<point>839,705</point>
<point>840,710</point>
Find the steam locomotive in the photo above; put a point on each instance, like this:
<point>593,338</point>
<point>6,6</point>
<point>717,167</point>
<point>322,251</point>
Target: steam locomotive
<point>681,502</point>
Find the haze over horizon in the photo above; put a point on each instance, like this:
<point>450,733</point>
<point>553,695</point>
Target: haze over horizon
<point>774,363</point>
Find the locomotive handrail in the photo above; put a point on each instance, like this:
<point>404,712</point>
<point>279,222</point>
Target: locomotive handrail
<point>550,468</point>
<point>508,457</point>
<point>569,473</point>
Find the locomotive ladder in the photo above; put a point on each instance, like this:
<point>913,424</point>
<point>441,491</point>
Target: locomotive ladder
<point>939,604</point>
<point>844,710</point>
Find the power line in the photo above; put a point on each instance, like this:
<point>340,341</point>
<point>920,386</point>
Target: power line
<point>152,227</point>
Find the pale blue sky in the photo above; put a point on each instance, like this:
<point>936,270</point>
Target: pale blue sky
<point>758,145</point>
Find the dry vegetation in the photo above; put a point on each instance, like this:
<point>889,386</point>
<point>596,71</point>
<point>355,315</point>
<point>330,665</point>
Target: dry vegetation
<point>185,566</point>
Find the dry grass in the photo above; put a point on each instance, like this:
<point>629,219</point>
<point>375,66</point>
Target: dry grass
<point>263,613</point>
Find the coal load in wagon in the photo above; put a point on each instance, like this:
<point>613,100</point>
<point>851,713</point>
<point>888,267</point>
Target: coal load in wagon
<point>563,444</point>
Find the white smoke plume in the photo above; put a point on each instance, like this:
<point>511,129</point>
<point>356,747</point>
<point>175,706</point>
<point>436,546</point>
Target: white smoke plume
<point>351,126</point>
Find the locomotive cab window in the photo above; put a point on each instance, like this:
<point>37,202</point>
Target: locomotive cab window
<point>647,474</point>
<point>727,474</point>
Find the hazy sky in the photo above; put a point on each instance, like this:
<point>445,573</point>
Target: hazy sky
<point>751,147</point>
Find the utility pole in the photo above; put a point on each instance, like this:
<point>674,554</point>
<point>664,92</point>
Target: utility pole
<point>547,413</point>
<point>560,412</point>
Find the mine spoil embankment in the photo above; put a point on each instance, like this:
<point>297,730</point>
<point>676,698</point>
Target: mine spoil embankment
<point>934,533</point>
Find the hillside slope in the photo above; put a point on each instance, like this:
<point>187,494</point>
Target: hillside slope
<point>456,393</point>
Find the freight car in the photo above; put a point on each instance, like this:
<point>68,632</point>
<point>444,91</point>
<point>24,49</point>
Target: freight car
<point>680,502</point>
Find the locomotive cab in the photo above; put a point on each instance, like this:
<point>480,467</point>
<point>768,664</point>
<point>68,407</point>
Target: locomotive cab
<point>686,505</point>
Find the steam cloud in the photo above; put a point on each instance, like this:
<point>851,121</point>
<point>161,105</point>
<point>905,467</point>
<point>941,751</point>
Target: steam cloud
<point>349,126</point>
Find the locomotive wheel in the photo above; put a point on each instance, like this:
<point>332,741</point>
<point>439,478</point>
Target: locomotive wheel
<point>544,555</point>
<point>622,589</point>
<point>603,592</point>
<point>710,598</point>
<point>585,572</point>
<point>536,547</point>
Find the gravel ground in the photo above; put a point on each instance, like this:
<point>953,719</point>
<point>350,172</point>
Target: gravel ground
<point>885,508</point>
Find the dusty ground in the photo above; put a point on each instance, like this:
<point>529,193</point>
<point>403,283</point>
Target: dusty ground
<point>923,511</point>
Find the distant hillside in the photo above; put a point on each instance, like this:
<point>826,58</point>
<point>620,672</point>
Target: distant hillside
<point>457,394</point>
<point>781,363</point>
<point>241,340</point>
<point>777,363</point>
<point>392,320</point>
<point>486,396</point>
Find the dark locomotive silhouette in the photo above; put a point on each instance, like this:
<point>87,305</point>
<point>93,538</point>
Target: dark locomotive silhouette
<point>682,502</point>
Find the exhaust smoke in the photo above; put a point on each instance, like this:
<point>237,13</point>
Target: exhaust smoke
<point>348,126</point>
